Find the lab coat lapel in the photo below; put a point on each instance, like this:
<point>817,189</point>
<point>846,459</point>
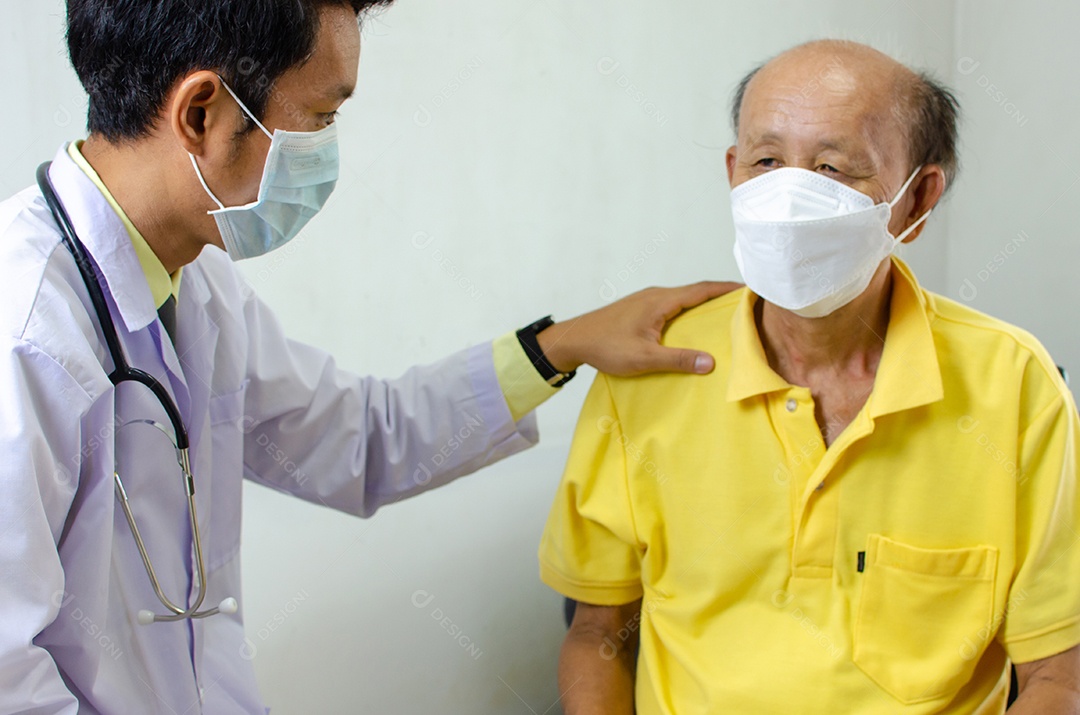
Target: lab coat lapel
<point>169,356</point>
<point>106,239</point>
<point>197,336</point>
<point>104,235</point>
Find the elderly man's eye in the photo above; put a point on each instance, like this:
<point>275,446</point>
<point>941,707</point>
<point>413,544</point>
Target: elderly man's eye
<point>828,168</point>
<point>767,163</point>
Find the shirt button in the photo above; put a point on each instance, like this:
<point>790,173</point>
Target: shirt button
<point>791,404</point>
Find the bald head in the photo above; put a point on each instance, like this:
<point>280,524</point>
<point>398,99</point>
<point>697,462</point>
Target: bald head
<point>824,70</point>
<point>842,92</point>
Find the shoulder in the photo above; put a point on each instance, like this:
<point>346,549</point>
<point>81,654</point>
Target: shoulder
<point>962,318</point>
<point>994,356</point>
<point>43,313</point>
<point>956,322</point>
<point>28,240</point>
<point>707,326</point>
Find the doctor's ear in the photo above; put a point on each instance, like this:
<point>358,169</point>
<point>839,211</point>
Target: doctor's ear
<point>200,109</point>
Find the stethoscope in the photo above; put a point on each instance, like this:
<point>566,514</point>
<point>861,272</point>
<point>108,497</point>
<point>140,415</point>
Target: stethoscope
<point>124,372</point>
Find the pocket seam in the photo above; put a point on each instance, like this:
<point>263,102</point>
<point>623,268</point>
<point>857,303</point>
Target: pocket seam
<point>990,565</point>
<point>225,407</point>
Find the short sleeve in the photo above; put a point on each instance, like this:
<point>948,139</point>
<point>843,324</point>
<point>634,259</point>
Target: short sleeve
<point>589,550</point>
<point>1042,616</point>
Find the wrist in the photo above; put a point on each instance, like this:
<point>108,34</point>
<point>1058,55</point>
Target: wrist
<point>558,348</point>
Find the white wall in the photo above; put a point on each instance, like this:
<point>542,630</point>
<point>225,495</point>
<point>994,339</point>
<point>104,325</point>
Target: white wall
<point>534,151</point>
<point>1013,243</point>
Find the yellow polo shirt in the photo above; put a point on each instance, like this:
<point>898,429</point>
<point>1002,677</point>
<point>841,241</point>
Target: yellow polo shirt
<point>897,571</point>
<point>522,387</point>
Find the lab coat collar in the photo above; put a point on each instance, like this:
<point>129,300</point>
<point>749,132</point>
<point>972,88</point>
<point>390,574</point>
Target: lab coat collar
<point>107,241</point>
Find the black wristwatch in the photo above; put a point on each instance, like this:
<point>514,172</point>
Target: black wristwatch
<point>527,337</point>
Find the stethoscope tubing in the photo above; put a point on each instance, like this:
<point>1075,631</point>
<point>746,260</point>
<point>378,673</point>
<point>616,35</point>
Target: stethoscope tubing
<point>123,371</point>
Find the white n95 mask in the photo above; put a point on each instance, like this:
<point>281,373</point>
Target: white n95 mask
<point>300,174</point>
<point>808,243</point>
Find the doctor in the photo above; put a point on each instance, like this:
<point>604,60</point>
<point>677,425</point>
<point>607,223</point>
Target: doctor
<point>212,138</point>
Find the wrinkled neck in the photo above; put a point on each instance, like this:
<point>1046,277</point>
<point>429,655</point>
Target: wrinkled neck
<point>848,340</point>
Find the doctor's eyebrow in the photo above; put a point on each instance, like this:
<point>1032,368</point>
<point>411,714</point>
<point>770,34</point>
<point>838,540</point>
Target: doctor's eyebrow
<point>343,92</point>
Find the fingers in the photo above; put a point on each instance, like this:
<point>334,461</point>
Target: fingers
<point>698,293</point>
<point>693,295</point>
<point>679,360</point>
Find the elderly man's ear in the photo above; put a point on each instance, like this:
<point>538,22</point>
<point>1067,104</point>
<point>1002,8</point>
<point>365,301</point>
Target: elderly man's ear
<point>924,194</point>
<point>729,159</point>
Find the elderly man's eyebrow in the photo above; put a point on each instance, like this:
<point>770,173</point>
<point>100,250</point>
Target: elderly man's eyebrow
<point>840,146</point>
<point>836,144</point>
<point>766,138</point>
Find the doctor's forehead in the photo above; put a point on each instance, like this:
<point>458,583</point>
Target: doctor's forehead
<point>329,74</point>
<point>832,92</point>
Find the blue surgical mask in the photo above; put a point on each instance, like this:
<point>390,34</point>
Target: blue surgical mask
<point>300,174</point>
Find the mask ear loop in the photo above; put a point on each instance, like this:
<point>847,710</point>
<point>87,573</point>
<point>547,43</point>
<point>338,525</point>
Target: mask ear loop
<point>198,173</point>
<point>248,112</point>
<point>243,107</point>
<point>899,195</point>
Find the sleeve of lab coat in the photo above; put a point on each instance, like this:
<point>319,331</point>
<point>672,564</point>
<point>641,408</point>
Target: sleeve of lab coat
<point>357,443</point>
<point>39,444</point>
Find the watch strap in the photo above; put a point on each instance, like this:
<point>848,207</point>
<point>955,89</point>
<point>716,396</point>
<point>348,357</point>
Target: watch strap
<point>529,343</point>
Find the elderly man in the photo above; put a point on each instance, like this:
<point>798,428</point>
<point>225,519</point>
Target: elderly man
<point>870,506</point>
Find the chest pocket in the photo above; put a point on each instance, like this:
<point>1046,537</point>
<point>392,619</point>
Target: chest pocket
<point>227,429</point>
<point>923,617</point>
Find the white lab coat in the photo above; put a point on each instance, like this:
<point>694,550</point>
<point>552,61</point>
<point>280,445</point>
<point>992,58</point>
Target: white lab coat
<point>256,405</point>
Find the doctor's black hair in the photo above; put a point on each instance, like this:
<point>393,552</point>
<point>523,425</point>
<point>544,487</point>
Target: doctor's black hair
<point>128,54</point>
<point>927,109</point>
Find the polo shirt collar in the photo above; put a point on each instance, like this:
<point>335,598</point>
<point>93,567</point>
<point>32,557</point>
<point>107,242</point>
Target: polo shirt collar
<point>908,375</point>
<point>750,371</point>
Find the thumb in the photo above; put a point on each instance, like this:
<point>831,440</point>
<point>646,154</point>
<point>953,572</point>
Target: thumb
<point>662,359</point>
